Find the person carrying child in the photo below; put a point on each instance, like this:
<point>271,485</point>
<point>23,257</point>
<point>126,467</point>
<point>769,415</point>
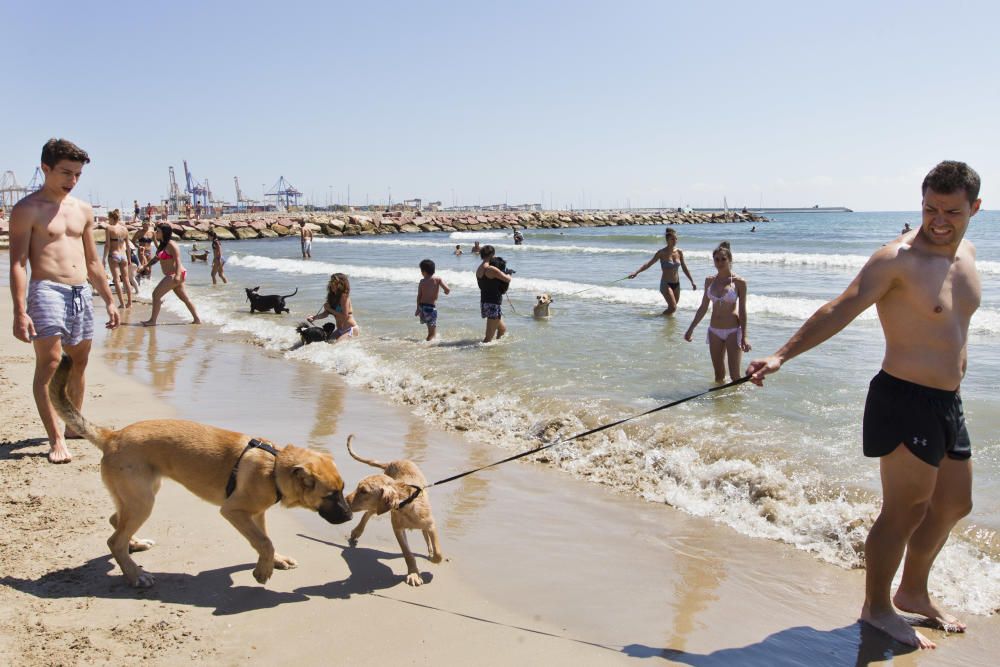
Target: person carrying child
<point>427,295</point>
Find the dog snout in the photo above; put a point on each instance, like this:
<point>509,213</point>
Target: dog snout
<point>335,509</point>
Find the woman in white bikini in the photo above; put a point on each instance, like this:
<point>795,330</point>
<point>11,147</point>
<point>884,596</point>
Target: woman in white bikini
<point>168,254</point>
<point>116,257</point>
<point>338,304</point>
<point>671,262</point>
<point>727,330</point>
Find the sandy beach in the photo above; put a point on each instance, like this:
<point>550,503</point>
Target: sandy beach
<point>542,569</point>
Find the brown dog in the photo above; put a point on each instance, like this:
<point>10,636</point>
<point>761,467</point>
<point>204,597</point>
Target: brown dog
<point>201,458</point>
<point>378,494</point>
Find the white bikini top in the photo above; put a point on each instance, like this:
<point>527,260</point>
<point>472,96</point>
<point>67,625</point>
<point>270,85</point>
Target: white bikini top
<point>729,296</point>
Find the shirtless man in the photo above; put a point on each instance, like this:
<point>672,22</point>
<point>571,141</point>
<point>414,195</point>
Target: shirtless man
<point>306,237</point>
<point>116,257</point>
<point>925,287</point>
<point>54,234</point>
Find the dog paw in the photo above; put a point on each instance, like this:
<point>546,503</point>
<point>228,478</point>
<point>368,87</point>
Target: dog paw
<point>143,580</point>
<point>436,558</point>
<point>414,579</point>
<point>353,539</point>
<point>284,562</point>
<point>263,572</point>
<point>136,545</point>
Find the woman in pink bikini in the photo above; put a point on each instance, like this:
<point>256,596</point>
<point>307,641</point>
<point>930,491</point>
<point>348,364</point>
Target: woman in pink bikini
<point>169,256</point>
<point>727,331</point>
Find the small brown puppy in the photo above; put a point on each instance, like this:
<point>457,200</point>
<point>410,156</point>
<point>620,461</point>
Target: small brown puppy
<point>201,458</point>
<point>377,494</point>
<point>542,302</point>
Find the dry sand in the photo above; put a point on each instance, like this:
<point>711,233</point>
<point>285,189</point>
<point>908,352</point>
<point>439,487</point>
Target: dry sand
<point>543,569</point>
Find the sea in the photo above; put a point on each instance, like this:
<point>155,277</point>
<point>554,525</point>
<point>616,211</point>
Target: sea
<point>781,463</point>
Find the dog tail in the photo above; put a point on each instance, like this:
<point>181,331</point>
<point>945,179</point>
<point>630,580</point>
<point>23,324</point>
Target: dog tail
<point>370,462</point>
<point>292,294</point>
<point>68,412</point>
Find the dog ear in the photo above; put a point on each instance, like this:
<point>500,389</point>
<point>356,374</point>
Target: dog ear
<point>255,288</point>
<point>304,477</point>
<point>388,499</point>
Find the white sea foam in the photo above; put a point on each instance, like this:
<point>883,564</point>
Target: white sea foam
<point>677,462</point>
<point>478,236</point>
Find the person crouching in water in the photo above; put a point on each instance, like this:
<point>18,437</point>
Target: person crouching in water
<point>727,330</point>
<point>427,296</point>
<point>168,254</point>
<point>491,290</point>
<point>338,304</point>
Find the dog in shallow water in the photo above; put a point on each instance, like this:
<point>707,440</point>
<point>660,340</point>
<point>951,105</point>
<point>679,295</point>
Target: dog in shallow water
<point>244,476</point>
<point>541,309</point>
<point>265,302</point>
<point>198,255</point>
<point>310,333</point>
<point>378,494</point>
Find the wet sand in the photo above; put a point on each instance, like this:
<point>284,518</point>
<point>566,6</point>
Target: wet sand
<point>543,569</point>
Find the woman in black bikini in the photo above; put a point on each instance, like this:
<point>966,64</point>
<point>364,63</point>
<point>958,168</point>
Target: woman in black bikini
<point>169,255</point>
<point>143,239</point>
<point>671,259</point>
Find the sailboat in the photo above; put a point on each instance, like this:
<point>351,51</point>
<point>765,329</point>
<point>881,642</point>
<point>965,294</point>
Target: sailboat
<point>725,209</point>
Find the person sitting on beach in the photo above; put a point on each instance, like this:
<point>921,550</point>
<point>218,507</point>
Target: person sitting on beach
<point>52,233</point>
<point>338,304</point>
<point>306,239</point>
<point>218,261</point>
<point>727,332</point>
<point>476,248</point>
<point>168,254</point>
<point>458,251</point>
<point>492,286</point>
<point>925,288</point>
<point>427,296</point>
<point>116,257</point>
<point>143,238</point>
<point>671,259</point>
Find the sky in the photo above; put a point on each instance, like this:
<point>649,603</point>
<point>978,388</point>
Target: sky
<point>582,104</point>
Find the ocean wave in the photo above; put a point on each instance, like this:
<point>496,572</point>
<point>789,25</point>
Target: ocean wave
<point>678,462</point>
<point>477,236</point>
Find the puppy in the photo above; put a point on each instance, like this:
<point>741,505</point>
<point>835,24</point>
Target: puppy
<point>198,256</point>
<point>541,309</point>
<point>378,494</point>
<point>208,461</point>
<point>265,302</point>
<point>309,333</point>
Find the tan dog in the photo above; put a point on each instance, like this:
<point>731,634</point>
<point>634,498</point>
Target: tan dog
<point>377,494</point>
<point>201,458</point>
<point>541,309</point>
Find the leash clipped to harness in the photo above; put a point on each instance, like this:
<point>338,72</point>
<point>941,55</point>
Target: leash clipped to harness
<point>253,444</point>
<point>734,383</point>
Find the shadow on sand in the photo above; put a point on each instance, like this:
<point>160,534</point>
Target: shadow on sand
<point>857,644</point>
<point>7,452</point>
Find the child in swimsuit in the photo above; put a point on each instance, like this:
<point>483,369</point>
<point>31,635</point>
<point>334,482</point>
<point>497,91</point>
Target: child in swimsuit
<point>671,259</point>
<point>169,255</point>
<point>727,332</point>
<point>338,304</point>
<point>427,295</point>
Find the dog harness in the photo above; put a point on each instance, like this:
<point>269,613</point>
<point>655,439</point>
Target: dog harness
<point>253,444</point>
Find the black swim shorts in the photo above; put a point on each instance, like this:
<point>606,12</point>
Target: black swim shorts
<point>930,422</point>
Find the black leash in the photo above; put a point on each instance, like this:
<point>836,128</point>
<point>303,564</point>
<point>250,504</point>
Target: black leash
<point>604,427</point>
<point>253,444</point>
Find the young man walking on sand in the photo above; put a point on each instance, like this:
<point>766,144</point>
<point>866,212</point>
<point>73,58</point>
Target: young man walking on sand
<point>925,287</point>
<point>53,232</point>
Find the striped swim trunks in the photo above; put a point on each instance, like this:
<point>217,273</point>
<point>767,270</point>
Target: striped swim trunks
<point>61,310</point>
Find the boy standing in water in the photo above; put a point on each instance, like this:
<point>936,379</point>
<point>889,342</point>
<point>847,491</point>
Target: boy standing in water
<point>427,296</point>
<point>925,287</point>
<point>53,233</point>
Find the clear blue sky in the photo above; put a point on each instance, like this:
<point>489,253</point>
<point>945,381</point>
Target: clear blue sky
<point>789,103</point>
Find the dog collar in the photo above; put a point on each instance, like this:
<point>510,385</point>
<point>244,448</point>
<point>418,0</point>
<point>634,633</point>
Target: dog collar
<point>253,444</point>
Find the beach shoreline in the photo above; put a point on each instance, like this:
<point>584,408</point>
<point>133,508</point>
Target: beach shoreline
<point>544,568</point>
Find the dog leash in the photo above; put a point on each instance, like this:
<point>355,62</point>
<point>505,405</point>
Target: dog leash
<point>413,496</point>
<point>596,286</point>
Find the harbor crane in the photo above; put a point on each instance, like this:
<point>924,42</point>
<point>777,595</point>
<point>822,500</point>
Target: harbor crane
<point>198,192</point>
<point>285,195</point>
<point>175,200</point>
<point>241,200</point>
<point>10,190</point>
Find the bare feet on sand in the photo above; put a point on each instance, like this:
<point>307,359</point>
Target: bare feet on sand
<point>896,627</point>
<point>148,323</point>
<point>924,606</point>
<point>196,321</point>
<point>59,454</point>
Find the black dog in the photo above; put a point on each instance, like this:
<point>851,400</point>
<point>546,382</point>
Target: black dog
<point>267,302</point>
<point>310,333</point>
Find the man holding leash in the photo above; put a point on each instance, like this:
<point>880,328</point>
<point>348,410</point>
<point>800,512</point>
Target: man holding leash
<point>925,287</point>
<point>53,232</point>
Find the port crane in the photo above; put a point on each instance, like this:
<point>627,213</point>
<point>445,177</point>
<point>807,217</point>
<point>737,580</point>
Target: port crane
<point>10,190</point>
<point>241,200</point>
<point>199,193</point>
<point>285,195</point>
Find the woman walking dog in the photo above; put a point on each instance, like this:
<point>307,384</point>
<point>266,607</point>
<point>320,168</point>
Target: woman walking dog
<point>338,304</point>
<point>671,259</point>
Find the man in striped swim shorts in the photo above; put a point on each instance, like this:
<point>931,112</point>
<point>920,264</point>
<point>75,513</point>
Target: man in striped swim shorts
<point>53,232</point>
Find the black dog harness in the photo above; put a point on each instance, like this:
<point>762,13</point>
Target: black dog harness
<point>253,444</point>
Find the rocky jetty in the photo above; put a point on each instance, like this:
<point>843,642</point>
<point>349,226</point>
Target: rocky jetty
<point>270,225</point>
